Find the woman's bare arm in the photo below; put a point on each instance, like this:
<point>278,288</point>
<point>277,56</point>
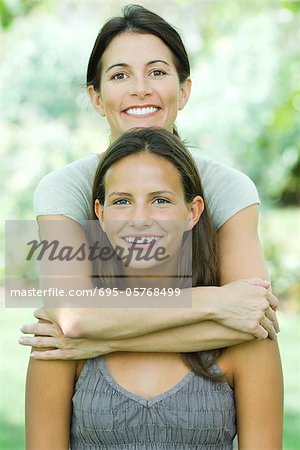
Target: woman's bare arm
<point>239,306</point>
<point>239,250</point>
<point>209,303</point>
<point>187,338</point>
<point>258,387</point>
<point>49,391</point>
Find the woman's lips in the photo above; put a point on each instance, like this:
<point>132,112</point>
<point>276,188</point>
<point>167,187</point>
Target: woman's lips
<point>138,111</point>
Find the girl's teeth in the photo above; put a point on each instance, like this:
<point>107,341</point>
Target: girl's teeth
<point>141,111</point>
<point>142,240</point>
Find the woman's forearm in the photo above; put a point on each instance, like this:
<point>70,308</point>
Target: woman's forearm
<point>240,305</point>
<point>205,335</point>
<point>188,338</point>
<point>234,315</point>
<point>124,323</point>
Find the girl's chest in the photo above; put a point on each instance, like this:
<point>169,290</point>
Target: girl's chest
<point>146,374</point>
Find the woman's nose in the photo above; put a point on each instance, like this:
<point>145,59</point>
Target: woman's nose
<point>141,87</point>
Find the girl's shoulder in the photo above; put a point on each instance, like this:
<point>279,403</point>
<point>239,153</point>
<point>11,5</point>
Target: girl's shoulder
<point>249,359</point>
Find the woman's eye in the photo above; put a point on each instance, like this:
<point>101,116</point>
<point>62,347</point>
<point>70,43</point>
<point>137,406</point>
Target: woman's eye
<point>157,73</point>
<point>119,76</point>
<point>121,201</point>
<point>161,201</point>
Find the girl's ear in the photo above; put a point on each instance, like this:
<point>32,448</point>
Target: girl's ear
<point>196,209</point>
<point>98,208</point>
<point>96,100</point>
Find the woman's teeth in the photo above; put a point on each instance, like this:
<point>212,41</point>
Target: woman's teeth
<point>141,240</point>
<point>141,111</point>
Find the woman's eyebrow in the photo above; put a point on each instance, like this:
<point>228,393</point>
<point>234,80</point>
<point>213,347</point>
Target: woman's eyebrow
<point>116,65</point>
<point>156,61</point>
<point>127,65</point>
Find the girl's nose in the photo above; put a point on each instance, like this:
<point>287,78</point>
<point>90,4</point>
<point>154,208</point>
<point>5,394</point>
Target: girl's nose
<point>140,217</point>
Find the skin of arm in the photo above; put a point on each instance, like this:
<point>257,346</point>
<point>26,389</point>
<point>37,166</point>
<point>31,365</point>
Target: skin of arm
<point>103,323</point>
<point>49,391</point>
<point>208,335</point>
<point>192,337</point>
<point>239,250</point>
<point>258,386</point>
<point>187,338</point>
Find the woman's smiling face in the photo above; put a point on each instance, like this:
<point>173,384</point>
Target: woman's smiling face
<point>139,84</point>
<point>145,207</point>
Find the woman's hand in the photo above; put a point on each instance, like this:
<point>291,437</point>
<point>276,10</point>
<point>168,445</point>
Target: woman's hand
<point>249,306</point>
<point>48,334</point>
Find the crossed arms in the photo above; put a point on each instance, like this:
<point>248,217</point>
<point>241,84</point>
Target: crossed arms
<point>219,316</point>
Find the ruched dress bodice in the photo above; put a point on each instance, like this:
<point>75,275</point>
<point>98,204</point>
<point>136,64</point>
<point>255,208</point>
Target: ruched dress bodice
<point>197,414</point>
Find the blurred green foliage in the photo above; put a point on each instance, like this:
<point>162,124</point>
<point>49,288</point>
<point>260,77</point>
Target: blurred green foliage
<point>279,232</point>
<point>11,10</point>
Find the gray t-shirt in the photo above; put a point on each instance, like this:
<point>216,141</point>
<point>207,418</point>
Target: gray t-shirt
<point>68,191</point>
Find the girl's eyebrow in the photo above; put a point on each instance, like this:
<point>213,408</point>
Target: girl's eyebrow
<point>147,64</point>
<point>162,193</point>
<point>127,194</point>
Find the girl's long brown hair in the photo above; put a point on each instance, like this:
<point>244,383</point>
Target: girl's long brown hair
<point>166,145</point>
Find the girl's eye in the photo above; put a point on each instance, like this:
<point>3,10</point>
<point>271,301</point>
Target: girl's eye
<point>121,201</point>
<point>119,76</point>
<point>157,73</point>
<point>160,201</point>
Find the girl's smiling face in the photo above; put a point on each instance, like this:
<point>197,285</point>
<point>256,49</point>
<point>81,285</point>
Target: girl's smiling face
<point>145,207</point>
<point>139,84</point>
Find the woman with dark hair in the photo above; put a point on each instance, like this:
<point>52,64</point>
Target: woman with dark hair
<point>138,76</point>
<point>157,400</point>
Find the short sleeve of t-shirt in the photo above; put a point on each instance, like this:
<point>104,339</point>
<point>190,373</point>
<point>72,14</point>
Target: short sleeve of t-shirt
<point>227,190</point>
<point>68,191</point>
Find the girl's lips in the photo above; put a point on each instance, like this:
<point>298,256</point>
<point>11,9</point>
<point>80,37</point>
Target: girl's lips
<point>141,240</point>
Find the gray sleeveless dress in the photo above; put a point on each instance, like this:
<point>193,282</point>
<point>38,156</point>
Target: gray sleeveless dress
<point>196,414</point>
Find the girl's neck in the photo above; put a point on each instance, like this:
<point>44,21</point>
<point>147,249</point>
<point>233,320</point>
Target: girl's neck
<point>162,276</point>
<point>150,281</point>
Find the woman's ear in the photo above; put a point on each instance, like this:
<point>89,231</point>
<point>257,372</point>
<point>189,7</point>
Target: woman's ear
<point>98,208</point>
<point>196,209</point>
<point>95,98</point>
<point>185,90</point>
